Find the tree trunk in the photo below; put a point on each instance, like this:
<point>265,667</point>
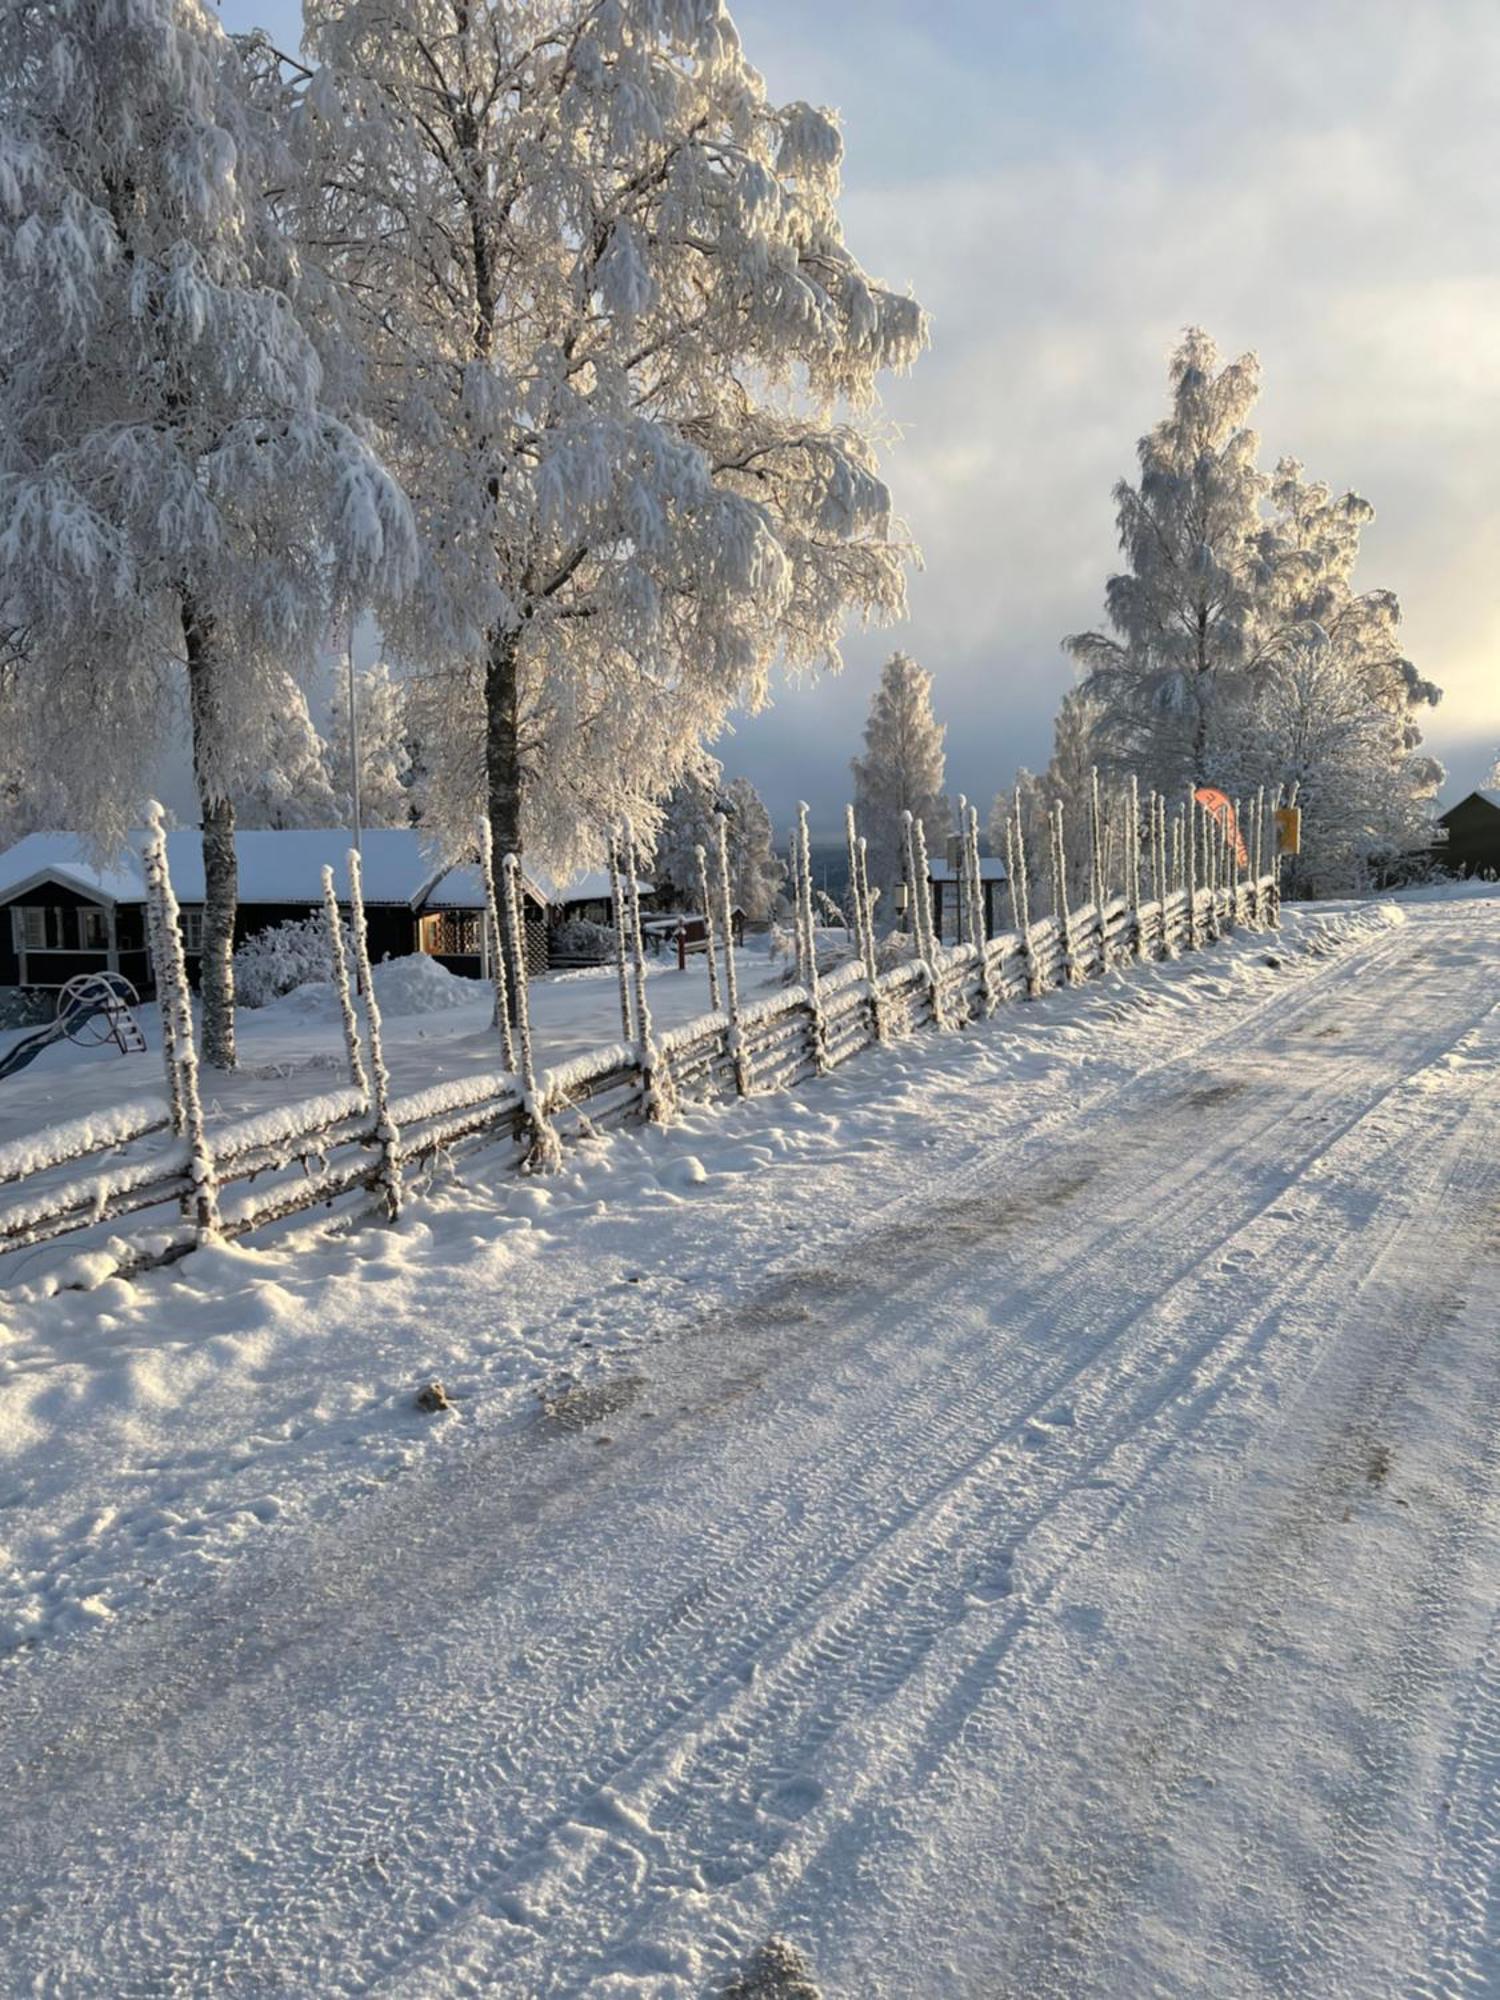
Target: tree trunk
<point>502,745</point>
<point>502,754</point>
<point>216,817</point>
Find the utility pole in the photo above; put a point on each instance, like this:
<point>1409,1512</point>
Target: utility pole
<point>353,739</point>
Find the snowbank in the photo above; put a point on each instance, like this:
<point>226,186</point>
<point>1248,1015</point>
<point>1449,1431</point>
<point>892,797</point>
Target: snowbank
<point>415,985</point>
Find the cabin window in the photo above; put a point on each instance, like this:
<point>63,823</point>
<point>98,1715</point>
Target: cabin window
<point>453,934</point>
<point>192,931</point>
<point>48,927</point>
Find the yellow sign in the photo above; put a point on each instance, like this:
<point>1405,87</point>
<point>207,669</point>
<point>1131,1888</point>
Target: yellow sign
<point>1289,829</point>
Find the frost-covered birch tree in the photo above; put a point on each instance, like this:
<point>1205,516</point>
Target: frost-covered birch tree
<point>180,510</point>
<point>901,770</point>
<point>1183,632</point>
<point>623,358</point>
<point>1336,704</point>
<point>387,775</point>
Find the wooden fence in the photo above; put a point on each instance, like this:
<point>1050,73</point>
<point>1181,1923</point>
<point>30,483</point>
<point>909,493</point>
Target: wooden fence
<point>247,1175</point>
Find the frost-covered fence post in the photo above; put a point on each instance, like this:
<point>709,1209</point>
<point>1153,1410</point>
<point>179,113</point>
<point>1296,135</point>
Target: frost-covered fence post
<point>163,982</point>
<point>387,1138</point>
<point>926,938</point>
<point>872,965</point>
<point>817,1033</point>
<point>1096,857</point>
<point>1133,868</point>
<point>1213,869</point>
<point>863,931</point>
<point>622,934</point>
<point>736,1041</point>
<point>658,1099</point>
<point>715,998</point>
<point>986,998</point>
<point>1165,942</point>
<point>967,925</point>
<point>1072,972</point>
<point>794,876</point>
<point>340,966</point>
<point>201,1172</point>
<point>497,946</point>
<point>544,1154</point>
<point>1191,869</point>
<point>1020,897</point>
<point>1252,882</point>
<point>1237,866</point>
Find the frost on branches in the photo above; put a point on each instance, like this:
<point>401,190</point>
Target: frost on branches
<point>619,355</point>
<point>1335,708</point>
<point>901,771</point>
<point>285,956</point>
<point>1183,612</point>
<point>179,507</point>
<point>292,788</point>
<point>690,820</point>
<point>387,762</point>
<point>756,871</point>
<point>1242,653</point>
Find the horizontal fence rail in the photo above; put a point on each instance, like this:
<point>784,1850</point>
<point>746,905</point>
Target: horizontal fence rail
<point>263,1169</point>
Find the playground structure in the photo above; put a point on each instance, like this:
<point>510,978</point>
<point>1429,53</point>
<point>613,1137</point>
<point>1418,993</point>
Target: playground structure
<point>93,1008</point>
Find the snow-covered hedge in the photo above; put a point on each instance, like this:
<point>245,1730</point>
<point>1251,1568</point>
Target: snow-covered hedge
<point>287,956</point>
<point>585,941</point>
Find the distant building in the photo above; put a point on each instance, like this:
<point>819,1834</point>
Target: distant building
<point>62,912</point>
<point>1470,841</point>
<point>947,896</point>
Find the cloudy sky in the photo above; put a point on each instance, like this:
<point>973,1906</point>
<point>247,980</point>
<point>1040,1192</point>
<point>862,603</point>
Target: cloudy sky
<point>1065,184</point>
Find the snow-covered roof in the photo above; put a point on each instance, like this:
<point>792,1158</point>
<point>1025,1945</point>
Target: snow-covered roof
<point>590,885</point>
<point>462,888</point>
<point>275,866</point>
<point>991,869</point>
<point>63,857</point>
<point>1490,794</point>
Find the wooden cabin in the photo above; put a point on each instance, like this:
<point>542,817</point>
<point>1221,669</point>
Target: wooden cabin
<point>1469,843</point>
<point>63,912</point>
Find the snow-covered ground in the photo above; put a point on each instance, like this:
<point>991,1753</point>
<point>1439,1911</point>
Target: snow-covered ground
<point>1018,1516</point>
<point>436,1026</point>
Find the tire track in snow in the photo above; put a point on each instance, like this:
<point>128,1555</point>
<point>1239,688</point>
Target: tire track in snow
<point>307,1919</point>
<point>1093,1525</point>
<point>582,1889</point>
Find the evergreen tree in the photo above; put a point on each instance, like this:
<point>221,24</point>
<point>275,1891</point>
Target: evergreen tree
<point>901,770</point>
<point>292,788</point>
<point>608,319</point>
<point>177,501</point>
<point>756,870</point>
<point>687,822</point>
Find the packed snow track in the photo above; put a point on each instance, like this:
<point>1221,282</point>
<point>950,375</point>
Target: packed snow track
<point>1079,1581</point>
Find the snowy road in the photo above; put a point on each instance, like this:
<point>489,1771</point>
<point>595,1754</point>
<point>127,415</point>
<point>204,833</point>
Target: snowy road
<point>1079,1580</point>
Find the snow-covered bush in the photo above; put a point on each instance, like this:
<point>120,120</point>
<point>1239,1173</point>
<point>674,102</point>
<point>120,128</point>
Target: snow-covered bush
<point>583,941</point>
<point>288,955</point>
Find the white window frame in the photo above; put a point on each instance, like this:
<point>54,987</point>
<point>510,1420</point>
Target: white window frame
<point>192,932</point>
